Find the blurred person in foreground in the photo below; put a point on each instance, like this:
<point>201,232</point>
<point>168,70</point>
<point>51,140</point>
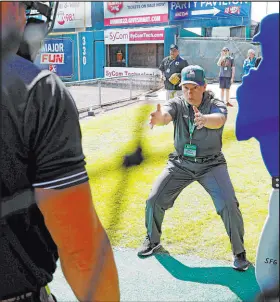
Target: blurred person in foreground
<point>262,123</point>
<point>46,205</point>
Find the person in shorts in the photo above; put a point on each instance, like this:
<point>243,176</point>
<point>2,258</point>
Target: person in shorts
<point>226,75</point>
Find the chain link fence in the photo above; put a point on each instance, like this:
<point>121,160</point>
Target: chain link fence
<point>93,94</point>
<point>206,52</point>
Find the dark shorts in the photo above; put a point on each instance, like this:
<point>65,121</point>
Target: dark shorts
<point>225,83</point>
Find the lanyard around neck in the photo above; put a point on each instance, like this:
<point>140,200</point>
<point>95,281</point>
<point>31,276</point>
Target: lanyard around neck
<point>191,129</point>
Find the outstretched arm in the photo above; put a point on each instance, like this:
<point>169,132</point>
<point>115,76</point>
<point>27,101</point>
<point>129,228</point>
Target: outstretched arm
<point>53,135</point>
<point>210,121</point>
<point>160,117</point>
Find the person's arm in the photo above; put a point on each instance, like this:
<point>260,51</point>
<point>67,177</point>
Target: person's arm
<point>244,66</point>
<point>219,63</point>
<point>214,120</point>
<point>160,117</point>
<point>53,136</point>
<point>233,71</point>
<point>86,255</point>
<point>233,74</point>
<point>161,68</point>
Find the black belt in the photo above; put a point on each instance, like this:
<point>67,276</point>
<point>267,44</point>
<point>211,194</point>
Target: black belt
<point>43,296</point>
<point>18,298</point>
<point>199,160</point>
<point>275,182</point>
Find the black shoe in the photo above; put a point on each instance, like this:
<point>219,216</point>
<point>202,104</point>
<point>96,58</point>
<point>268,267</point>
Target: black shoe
<point>147,247</point>
<point>240,263</point>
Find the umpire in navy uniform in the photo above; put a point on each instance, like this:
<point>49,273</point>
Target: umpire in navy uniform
<point>171,68</point>
<point>198,120</point>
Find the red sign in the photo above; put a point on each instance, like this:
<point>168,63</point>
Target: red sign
<point>52,58</point>
<point>131,13</point>
<point>146,35</point>
<point>232,10</point>
<point>145,19</point>
<point>114,7</point>
<point>134,35</point>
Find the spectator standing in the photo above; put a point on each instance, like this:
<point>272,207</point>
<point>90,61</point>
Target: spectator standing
<point>227,73</point>
<point>171,68</point>
<point>249,62</point>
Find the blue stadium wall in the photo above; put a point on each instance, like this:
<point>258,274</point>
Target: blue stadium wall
<point>84,51</point>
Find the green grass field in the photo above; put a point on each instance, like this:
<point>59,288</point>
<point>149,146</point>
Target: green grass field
<point>192,225</point>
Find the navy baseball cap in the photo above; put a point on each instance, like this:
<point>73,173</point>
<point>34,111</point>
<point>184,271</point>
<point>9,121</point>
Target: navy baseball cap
<point>193,74</point>
<point>172,46</point>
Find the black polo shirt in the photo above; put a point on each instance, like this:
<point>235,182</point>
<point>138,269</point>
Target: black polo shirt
<point>208,141</point>
<point>40,135</point>
<point>40,148</point>
<point>169,66</point>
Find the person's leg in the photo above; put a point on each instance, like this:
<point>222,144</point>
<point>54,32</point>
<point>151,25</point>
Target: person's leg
<point>163,194</point>
<point>267,260</point>
<point>227,95</point>
<point>218,184</point>
<point>222,94</point>
<point>221,85</point>
<point>227,86</point>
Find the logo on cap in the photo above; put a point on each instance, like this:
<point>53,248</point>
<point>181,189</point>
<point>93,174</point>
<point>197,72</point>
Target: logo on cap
<point>172,46</point>
<point>191,74</point>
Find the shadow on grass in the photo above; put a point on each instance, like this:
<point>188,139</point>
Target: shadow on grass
<point>242,284</point>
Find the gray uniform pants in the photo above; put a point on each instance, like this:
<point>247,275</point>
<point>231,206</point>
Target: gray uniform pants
<point>214,177</point>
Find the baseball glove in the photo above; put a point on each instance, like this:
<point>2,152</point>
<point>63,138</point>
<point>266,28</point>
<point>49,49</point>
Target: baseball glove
<point>174,79</point>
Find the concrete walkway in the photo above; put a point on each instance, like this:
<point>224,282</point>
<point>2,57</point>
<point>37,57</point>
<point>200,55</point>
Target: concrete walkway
<point>86,96</point>
<point>172,278</point>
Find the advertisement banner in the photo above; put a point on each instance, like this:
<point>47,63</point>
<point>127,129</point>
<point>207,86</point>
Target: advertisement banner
<point>73,15</point>
<point>200,10</point>
<point>134,35</point>
<point>132,13</point>
<point>111,72</point>
<point>57,55</point>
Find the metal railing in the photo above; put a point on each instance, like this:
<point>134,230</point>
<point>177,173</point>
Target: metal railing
<point>93,94</point>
